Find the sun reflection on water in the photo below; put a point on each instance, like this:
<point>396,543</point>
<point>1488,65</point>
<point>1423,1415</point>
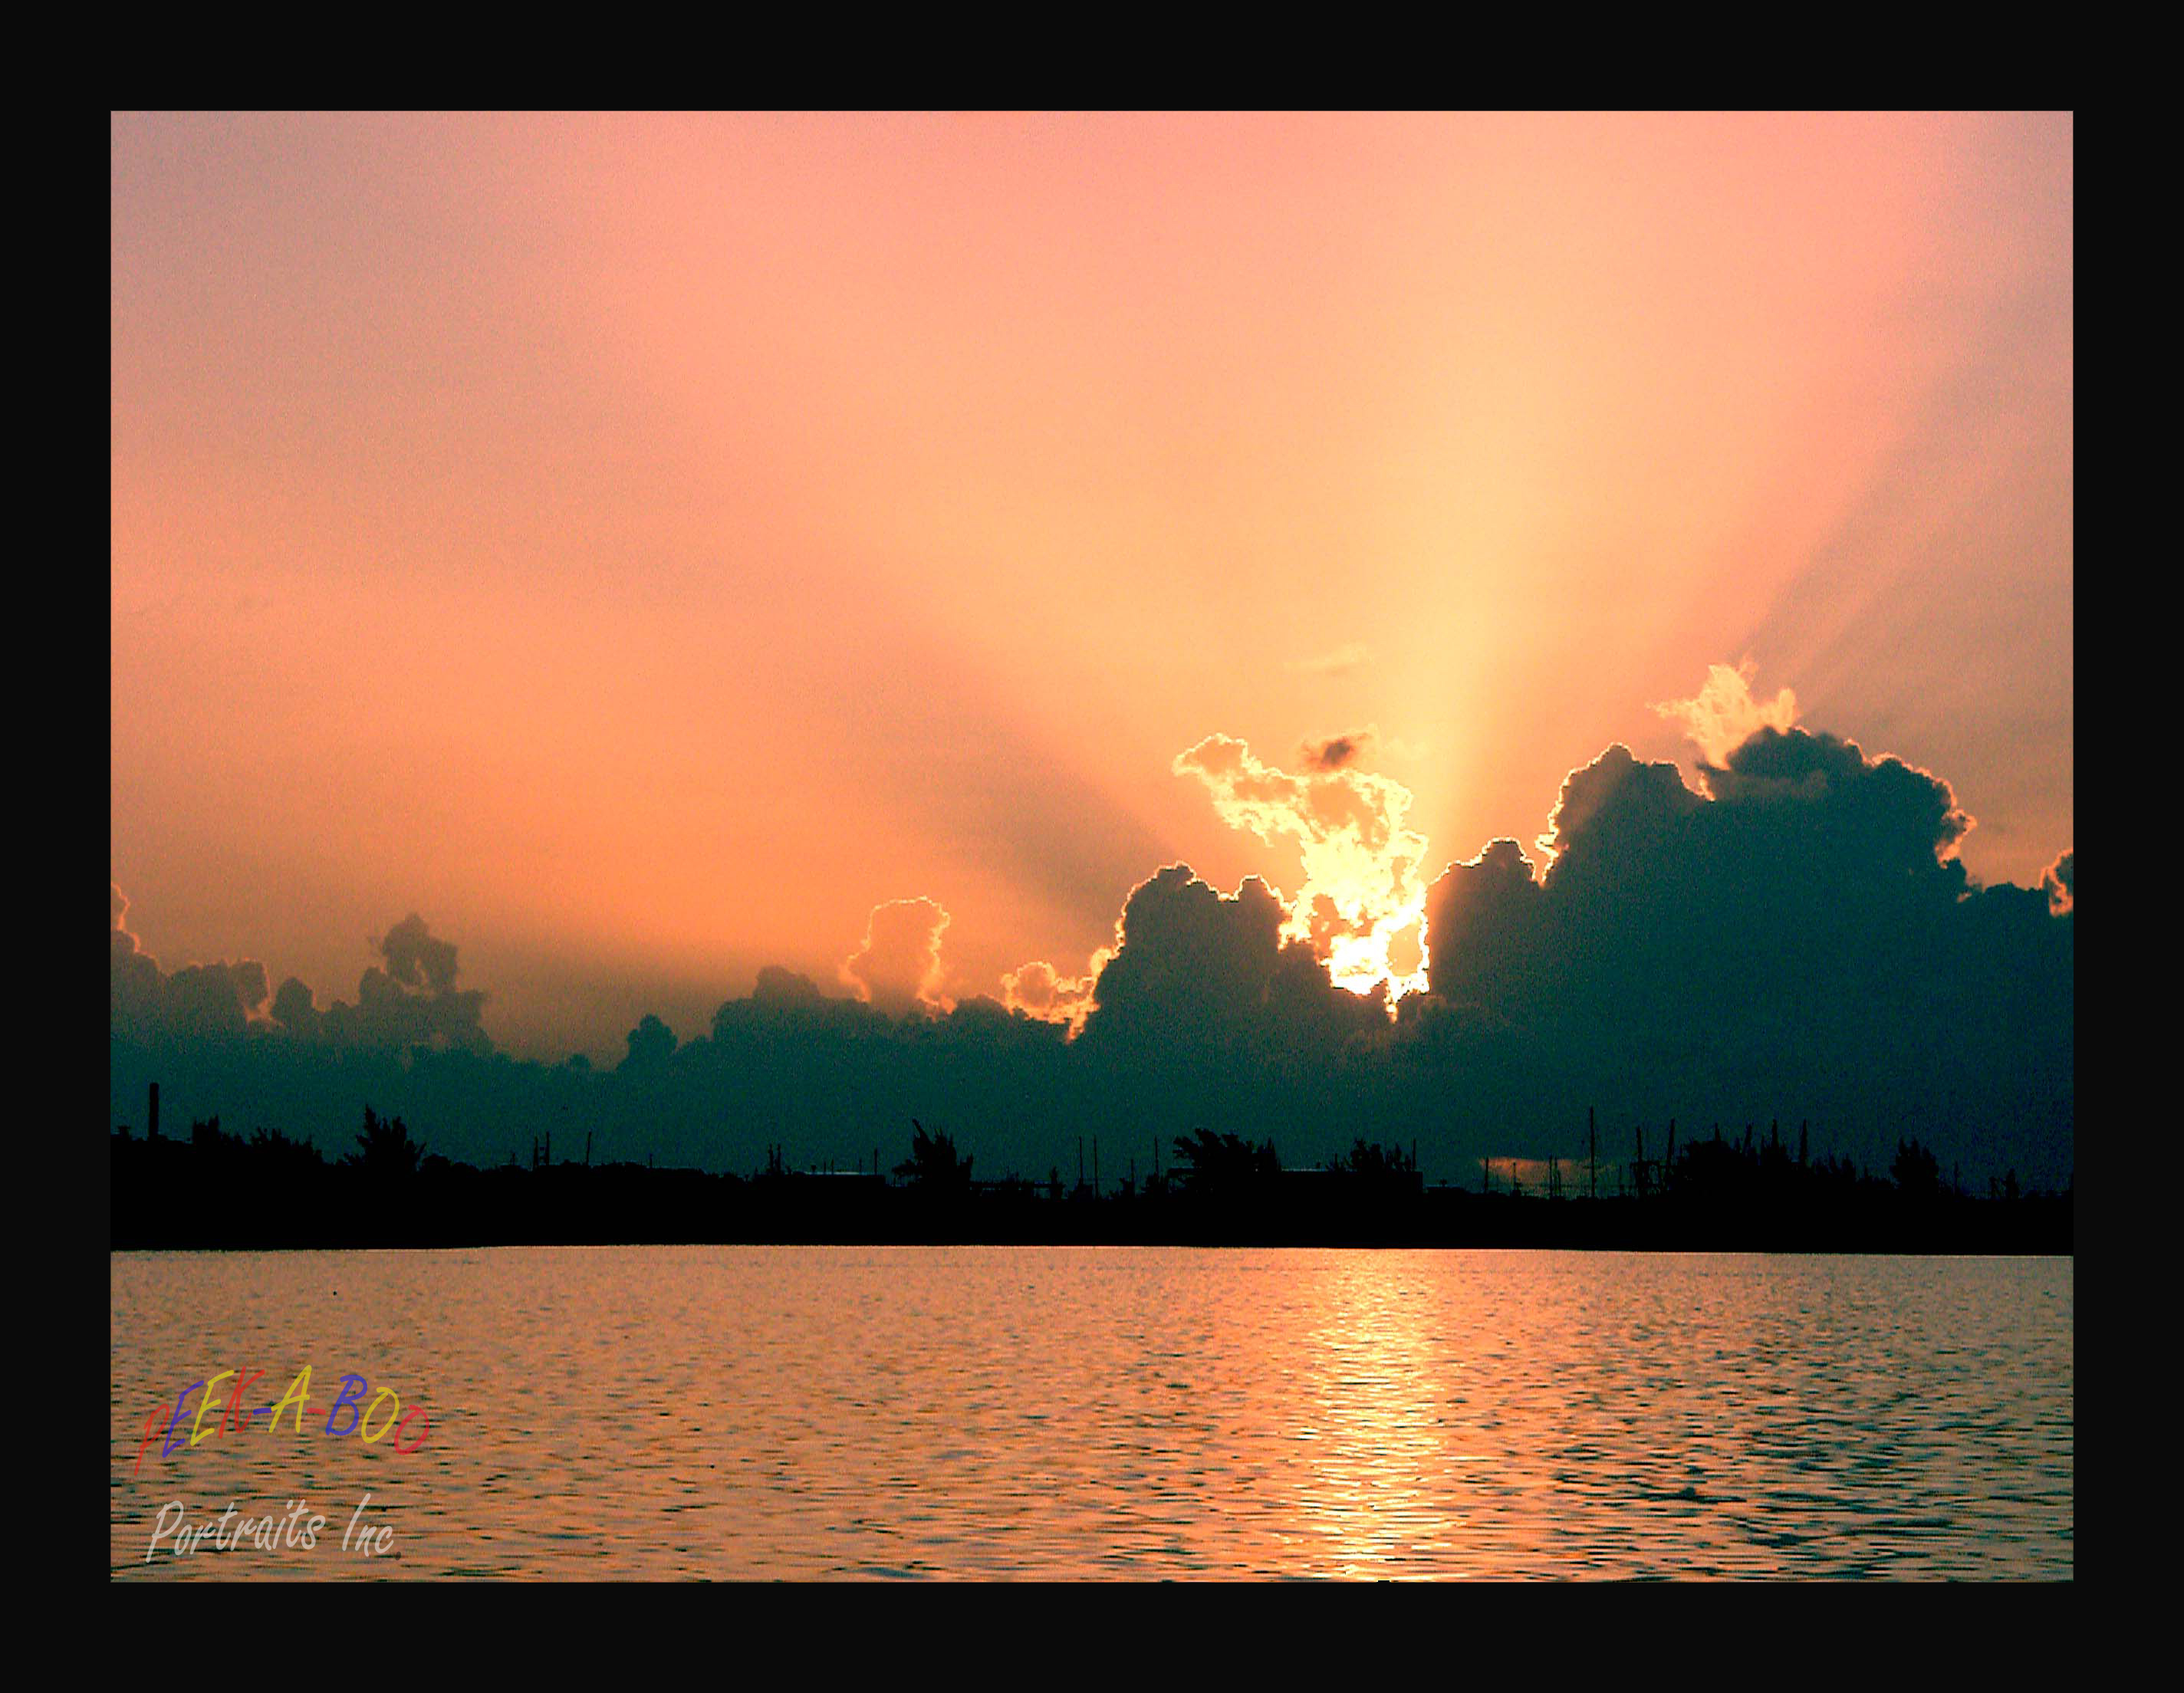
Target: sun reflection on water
<point>1093,1412</point>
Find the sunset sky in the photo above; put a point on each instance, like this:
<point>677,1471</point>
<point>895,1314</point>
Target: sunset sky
<point>643,546</point>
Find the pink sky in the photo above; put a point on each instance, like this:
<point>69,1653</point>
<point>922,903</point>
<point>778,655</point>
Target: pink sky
<point>644,545</point>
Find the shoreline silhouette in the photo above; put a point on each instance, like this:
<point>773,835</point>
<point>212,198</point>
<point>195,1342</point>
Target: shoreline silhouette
<point>214,1190</point>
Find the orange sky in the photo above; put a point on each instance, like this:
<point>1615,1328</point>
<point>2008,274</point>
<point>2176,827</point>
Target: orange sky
<point>644,545</point>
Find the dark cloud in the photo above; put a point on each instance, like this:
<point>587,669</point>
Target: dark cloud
<point>1799,937</point>
<point>415,959</point>
<point>412,1001</point>
<point>651,1044</point>
<point>1336,751</point>
<point>778,987</point>
<point>294,1009</point>
<point>1194,964</point>
<point>1198,971</point>
<point>198,1002</point>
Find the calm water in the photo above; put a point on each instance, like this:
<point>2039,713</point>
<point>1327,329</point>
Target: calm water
<point>880,1411</point>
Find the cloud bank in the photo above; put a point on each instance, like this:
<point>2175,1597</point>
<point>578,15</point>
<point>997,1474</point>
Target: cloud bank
<point>1792,937</point>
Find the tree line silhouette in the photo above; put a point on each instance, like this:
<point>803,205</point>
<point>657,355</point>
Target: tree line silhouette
<point>218,1190</point>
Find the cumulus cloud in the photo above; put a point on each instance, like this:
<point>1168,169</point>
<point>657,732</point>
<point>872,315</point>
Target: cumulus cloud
<point>1802,926</point>
<point>409,999</point>
<point>1798,936</point>
<point>1039,990</point>
<point>1364,886</point>
<point>2061,882</point>
<point>781,987</point>
<point>415,959</point>
<point>1619,791</point>
<point>651,1044</point>
<point>134,977</point>
<point>897,969</point>
<point>1199,971</point>
<point>1485,916</point>
<point>295,1011</point>
<point>218,1001</point>
<point>1723,714</point>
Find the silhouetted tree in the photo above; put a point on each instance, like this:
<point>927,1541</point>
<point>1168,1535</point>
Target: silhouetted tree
<point>934,1164</point>
<point>385,1149</point>
<point>1916,1171</point>
<point>1223,1163</point>
<point>1380,1166</point>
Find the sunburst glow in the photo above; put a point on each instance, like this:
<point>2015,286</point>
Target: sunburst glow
<point>1362,905</point>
